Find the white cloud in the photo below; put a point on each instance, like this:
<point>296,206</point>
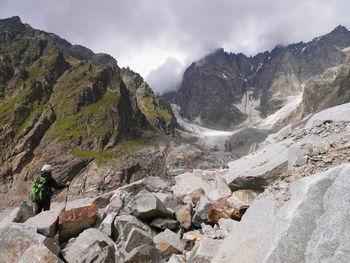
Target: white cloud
<point>166,77</point>
<point>145,34</point>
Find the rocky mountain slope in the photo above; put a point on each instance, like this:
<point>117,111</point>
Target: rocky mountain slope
<point>64,105</point>
<point>138,195</point>
<point>286,202</point>
<point>225,90</point>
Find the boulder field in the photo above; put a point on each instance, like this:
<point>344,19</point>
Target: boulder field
<point>286,202</point>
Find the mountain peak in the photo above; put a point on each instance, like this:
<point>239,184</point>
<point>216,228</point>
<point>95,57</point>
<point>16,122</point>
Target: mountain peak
<point>341,29</point>
<point>11,20</point>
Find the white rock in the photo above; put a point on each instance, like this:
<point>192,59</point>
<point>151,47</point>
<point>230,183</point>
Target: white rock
<point>228,225</point>
<point>311,227</point>
<point>45,222</point>
<point>107,224</point>
<point>177,259</point>
<point>204,250</point>
<point>78,247</point>
<point>22,243</point>
<point>146,205</point>
<point>256,171</point>
<point>337,113</point>
<point>221,189</point>
<point>187,183</point>
<point>168,243</point>
<point>98,252</point>
<point>20,214</point>
<point>124,224</point>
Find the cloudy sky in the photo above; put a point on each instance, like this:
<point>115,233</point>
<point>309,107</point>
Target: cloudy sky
<point>159,38</point>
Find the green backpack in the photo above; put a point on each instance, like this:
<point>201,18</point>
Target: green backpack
<point>39,190</point>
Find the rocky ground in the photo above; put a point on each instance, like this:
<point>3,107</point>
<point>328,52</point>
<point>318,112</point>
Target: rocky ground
<point>286,202</point>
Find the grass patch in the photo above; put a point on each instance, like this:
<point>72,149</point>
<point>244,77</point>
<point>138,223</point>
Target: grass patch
<point>150,107</point>
<point>121,149</point>
<point>87,122</point>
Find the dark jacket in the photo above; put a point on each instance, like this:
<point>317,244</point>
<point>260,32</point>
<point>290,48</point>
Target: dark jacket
<point>51,182</point>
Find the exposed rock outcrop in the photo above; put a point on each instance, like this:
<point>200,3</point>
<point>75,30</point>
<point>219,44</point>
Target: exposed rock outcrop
<point>297,230</point>
<point>21,243</point>
<point>223,90</point>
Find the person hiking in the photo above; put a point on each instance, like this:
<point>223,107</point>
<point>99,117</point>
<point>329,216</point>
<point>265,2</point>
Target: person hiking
<point>40,192</point>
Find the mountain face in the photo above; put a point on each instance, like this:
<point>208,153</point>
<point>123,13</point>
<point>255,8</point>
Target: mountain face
<point>64,105</point>
<point>224,90</point>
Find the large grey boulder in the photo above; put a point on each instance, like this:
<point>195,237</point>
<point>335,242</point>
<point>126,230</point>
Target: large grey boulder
<point>22,243</point>
<point>256,171</point>
<point>90,241</point>
<point>118,203</point>
<point>106,225</point>
<point>20,214</point>
<point>124,224</point>
<point>45,222</point>
<point>204,250</point>
<point>187,183</point>
<point>312,226</point>
<point>147,206</point>
<point>98,252</point>
<point>143,254</point>
<point>137,237</point>
<point>240,142</point>
<point>168,199</point>
<point>337,113</point>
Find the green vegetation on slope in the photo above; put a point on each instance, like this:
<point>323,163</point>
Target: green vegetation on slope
<point>121,149</point>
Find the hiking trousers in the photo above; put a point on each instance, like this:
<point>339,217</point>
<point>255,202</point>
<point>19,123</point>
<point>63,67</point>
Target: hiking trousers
<point>42,206</point>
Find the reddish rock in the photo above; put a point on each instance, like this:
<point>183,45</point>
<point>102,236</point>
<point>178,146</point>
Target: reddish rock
<point>233,206</point>
<point>196,195</point>
<point>72,222</point>
<point>220,209</point>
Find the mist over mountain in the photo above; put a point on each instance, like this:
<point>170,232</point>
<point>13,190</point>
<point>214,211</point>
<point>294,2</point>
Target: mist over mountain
<point>224,90</point>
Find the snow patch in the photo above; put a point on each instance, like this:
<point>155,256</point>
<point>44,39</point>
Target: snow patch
<point>259,67</point>
<point>208,138</point>
<point>291,104</point>
<point>347,49</point>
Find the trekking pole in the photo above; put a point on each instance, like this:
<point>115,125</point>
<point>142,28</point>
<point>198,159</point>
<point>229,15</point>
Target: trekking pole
<point>65,203</point>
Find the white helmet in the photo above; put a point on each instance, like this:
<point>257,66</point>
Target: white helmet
<point>46,168</point>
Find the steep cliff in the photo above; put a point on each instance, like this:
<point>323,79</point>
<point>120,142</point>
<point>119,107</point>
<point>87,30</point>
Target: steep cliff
<point>224,90</point>
<point>65,105</point>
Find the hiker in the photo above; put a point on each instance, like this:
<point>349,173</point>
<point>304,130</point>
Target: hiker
<point>41,192</point>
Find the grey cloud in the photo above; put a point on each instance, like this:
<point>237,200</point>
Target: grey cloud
<point>144,34</point>
<point>167,77</point>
